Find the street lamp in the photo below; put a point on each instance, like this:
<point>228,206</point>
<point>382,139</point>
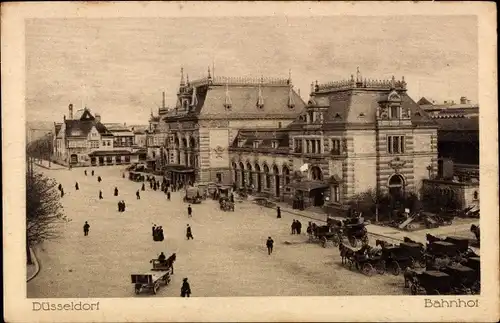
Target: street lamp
<point>429,169</point>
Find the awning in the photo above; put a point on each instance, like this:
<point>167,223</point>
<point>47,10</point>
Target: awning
<point>110,153</point>
<point>179,169</point>
<point>309,185</point>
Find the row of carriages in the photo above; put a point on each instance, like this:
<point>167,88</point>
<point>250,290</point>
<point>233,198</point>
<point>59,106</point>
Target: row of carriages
<point>441,267</point>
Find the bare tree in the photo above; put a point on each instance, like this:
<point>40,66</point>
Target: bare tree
<point>44,211</point>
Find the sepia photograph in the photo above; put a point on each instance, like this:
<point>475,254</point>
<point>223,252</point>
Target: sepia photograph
<point>210,155</point>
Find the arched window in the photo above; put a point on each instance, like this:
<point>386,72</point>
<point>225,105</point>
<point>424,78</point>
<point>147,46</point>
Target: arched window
<point>316,173</point>
<point>267,176</point>
<point>286,176</point>
<point>184,143</point>
<point>192,142</point>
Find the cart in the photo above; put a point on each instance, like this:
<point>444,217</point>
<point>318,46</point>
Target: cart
<point>150,281</point>
<point>324,234</point>
<point>442,249</point>
<point>462,278</point>
<point>396,258</point>
<point>192,195</point>
<point>416,251</point>
<point>356,232</point>
<point>461,243</point>
<point>431,283</point>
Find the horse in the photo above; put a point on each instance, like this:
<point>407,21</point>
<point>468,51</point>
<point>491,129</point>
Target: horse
<point>475,229</point>
<point>345,253</point>
<point>383,244</point>
<point>170,262</point>
<point>430,238</point>
<point>409,275</point>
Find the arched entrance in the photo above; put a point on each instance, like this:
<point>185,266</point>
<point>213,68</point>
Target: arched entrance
<point>316,173</point>
<point>242,169</point>
<point>267,177</point>
<point>396,186</point>
<point>276,172</point>
<point>250,175</point>
<point>259,178</point>
<point>286,176</point>
<point>235,172</point>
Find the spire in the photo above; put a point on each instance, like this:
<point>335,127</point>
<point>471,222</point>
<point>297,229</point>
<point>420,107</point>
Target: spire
<point>163,101</point>
<point>260,99</point>
<point>187,79</point>
<point>209,76</point>
<point>393,82</point>
<point>194,98</point>
<point>291,102</point>
<point>227,101</point>
<point>182,77</point>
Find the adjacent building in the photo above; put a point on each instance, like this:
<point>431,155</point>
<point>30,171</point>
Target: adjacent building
<point>85,141</point>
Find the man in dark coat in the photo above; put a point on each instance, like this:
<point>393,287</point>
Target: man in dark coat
<point>76,186</point>
<point>153,229</point>
<point>190,211</point>
<point>120,208</point>
<point>185,289</point>
<point>116,191</point>
<point>100,195</point>
<point>99,179</point>
<point>123,175</point>
<point>86,228</point>
<point>85,172</point>
<point>168,195</point>
<point>59,187</point>
<point>150,184</point>
<point>269,245</point>
<point>138,195</point>
<point>278,212</point>
<point>62,192</point>
<point>123,206</point>
<point>143,188</point>
<point>189,234</point>
<point>294,227</point>
<point>298,226</point>
<point>92,172</point>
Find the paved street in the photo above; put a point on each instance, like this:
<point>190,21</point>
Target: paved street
<point>226,258</point>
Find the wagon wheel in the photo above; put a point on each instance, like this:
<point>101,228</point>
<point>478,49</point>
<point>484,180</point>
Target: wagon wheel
<point>323,242</point>
<point>413,289</point>
<point>396,270</point>
<point>155,288</point>
<point>380,267</point>
<point>367,269</point>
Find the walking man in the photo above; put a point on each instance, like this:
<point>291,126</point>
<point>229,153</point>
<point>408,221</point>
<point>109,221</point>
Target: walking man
<point>116,191</point>
<point>62,192</point>
<point>168,195</point>
<point>143,188</point>
<point>99,179</point>
<point>189,234</point>
<point>278,212</point>
<point>76,186</point>
<point>86,228</point>
<point>138,195</point>
<point>185,289</point>
<point>59,187</point>
<point>100,195</point>
<point>298,226</point>
<point>190,211</point>
<point>92,172</point>
<point>154,229</point>
<point>269,245</point>
<point>85,172</point>
<point>294,227</point>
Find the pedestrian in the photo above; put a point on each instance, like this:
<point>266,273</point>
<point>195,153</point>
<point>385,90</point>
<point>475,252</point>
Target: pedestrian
<point>190,211</point>
<point>62,192</point>
<point>138,195</point>
<point>85,172</point>
<point>189,234</point>
<point>123,206</point>
<point>86,228</point>
<point>92,172</point>
<point>100,195</point>
<point>278,212</point>
<point>76,186</point>
<point>154,229</point>
<point>293,227</point>
<point>116,191</point>
<point>269,245</point>
<point>143,188</point>
<point>99,179</point>
<point>168,195</point>
<point>185,289</point>
<point>59,187</point>
<point>123,175</point>
<point>298,227</point>
<point>161,237</point>
<point>120,208</point>
<point>150,184</point>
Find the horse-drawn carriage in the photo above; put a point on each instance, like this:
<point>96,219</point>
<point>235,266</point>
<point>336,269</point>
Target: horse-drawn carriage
<point>325,233</point>
<point>431,283</point>
<point>463,279</point>
<point>192,196</point>
<point>395,259</point>
<point>225,204</point>
<point>159,275</point>
<point>355,233</point>
<point>416,251</point>
<point>366,259</point>
<point>136,177</point>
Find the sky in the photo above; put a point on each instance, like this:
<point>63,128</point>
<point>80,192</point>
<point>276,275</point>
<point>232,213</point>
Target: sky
<point>119,67</point>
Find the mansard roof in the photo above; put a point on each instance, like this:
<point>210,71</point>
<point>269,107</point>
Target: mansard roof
<point>264,136</point>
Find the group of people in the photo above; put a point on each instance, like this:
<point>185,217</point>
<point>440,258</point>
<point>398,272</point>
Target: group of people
<point>121,206</point>
<point>296,227</point>
<point>85,172</point>
<point>158,233</point>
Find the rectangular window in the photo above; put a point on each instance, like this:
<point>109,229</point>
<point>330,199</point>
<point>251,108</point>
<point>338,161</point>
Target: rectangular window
<point>109,159</point>
<point>336,193</point>
<point>274,144</point>
<point>335,147</point>
<point>255,144</point>
<point>395,144</point>
<point>298,146</point>
<point>394,112</point>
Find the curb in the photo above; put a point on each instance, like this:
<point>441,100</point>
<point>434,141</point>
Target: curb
<point>37,265</point>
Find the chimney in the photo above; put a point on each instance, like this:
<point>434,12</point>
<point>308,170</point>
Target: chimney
<point>98,118</point>
<point>70,111</point>
<point>463,100</point>
<point>445,102</point>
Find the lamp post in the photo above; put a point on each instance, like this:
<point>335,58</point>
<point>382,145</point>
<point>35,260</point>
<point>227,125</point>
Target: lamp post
<point>429,169</point>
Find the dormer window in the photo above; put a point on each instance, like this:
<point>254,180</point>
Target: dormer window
<point>241,142</point>
<point>394,112</point>
<point>256,144</point>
